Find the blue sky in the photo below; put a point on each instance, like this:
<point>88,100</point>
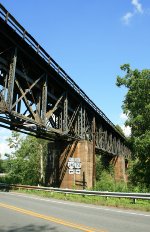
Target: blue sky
<point>90,39</point>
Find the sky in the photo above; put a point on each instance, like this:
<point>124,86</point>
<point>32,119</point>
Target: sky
<point>89,39</point>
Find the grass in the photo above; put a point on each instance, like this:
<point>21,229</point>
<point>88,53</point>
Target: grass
<point>143,205</point>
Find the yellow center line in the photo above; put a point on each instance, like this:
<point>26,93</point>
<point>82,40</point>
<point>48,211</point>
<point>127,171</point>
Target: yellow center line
<point>52,219</point>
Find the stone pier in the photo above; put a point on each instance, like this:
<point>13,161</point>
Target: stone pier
<point>70,165</point>
<point>119,168</point>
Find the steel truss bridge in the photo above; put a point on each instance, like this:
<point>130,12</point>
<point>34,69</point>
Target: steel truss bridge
<point>38,97</point>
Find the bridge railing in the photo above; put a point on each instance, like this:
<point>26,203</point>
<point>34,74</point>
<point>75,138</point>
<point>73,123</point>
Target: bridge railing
<point>13,23</point>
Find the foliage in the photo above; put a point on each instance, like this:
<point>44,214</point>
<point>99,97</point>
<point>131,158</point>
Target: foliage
<point>2,166</point>
<point>140,169</point>
<point>103,164</point>
<point>137,101</point>
<point>24,165</point>
<point>99,167</point>
<point>15,140</point>
<point>106,182</point>
<point>137,107</point>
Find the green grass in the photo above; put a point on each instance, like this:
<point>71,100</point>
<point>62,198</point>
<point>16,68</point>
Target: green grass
<point>143,205</point>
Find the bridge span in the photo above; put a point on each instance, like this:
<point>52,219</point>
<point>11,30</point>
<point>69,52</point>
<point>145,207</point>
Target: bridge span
<point>38,97</point>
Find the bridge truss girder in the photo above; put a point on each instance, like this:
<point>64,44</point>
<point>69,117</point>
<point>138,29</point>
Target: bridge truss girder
<point>37,97</point>
<point>28,104</point>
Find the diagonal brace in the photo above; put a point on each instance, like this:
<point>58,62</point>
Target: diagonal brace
<point>73,116</point>
<point>28,90</point>
<point>26,100</point>
<point>50,112</point>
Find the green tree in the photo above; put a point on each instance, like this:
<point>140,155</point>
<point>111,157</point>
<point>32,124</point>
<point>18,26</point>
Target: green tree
<point>24,166</point>
<point>15,140</point>
<point>137,107</point>
<point>1,164</point>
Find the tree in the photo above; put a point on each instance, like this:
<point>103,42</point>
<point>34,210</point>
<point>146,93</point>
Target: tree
<point>14,141</point>
<point>137,107</point>
<point>1,164</point>
<point>25,164</point>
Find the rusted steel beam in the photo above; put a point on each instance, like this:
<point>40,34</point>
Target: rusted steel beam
<point>65,119</point>
<point>11,79</point>
<point>44,100</point>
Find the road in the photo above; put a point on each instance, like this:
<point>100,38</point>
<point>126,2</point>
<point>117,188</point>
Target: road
<point>23,213</point>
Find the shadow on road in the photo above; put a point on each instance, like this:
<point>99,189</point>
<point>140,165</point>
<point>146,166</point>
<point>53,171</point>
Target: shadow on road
<point>29,228</point>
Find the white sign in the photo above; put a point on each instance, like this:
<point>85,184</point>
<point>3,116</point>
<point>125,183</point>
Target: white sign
<point>78,171</point>
<point>71,165</point>
<point>74,171</point>
<point>74,166</point>
<point>71,171</point>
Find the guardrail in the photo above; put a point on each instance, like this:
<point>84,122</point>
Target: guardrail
<point>15,25</point>
<point>134,196</point>
<point>5,187</point>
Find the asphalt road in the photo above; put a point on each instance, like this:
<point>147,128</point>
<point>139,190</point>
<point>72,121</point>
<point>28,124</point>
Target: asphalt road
<point>23,213</point>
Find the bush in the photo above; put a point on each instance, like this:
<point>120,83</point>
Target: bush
<point>106,182</point>
<point>121,186</point>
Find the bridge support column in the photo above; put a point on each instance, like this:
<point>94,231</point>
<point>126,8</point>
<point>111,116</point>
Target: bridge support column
<point>119,168</point>
<point>71,165</point>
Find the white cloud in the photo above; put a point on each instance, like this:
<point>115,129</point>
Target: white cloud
<point>127,17</point>
<point>4,134</point>
<point>137,9</point>
<point>137,6</point>
<point>4,149</point>
<point>123,116</point>
<point>126,130</point>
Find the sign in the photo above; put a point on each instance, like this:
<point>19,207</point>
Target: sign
<point>74,166</point>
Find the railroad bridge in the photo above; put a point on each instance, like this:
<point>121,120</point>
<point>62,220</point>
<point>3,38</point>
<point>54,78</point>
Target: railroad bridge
<point>38,97</point>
